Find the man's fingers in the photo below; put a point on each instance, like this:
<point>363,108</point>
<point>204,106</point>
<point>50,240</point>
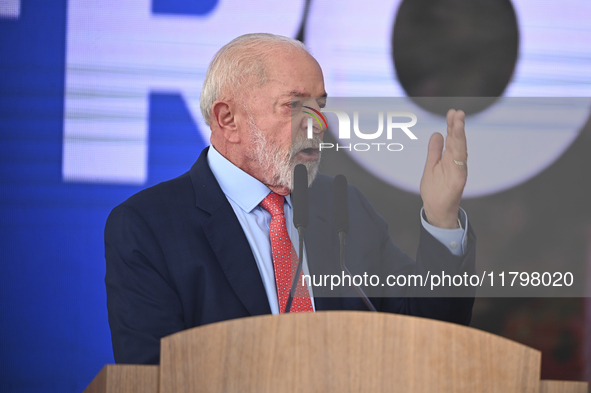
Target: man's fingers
<point>456,135</point>
<point>449,118</point>
<point>435,149</point>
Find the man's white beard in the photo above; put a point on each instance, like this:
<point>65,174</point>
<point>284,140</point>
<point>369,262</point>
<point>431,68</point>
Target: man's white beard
<point>276,164</point>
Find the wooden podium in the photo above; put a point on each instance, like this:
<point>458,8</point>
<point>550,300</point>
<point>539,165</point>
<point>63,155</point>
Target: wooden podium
<point>337,351</point>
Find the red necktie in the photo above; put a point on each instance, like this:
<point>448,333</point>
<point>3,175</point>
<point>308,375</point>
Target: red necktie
<point>285,259</point>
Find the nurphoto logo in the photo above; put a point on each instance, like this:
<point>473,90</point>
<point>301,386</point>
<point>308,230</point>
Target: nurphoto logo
<point>392,123</point>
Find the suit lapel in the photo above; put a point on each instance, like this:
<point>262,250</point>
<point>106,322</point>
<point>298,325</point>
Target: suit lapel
<point>227,239</point>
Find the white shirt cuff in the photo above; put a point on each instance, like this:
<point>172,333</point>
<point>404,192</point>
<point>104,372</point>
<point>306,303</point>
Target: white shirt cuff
<point>456,240</point>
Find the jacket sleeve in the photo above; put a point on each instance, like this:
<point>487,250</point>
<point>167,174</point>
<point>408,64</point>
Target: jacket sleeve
<point>452,304</point>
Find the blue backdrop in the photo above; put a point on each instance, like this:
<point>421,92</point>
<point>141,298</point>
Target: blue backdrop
<point>53,317</point>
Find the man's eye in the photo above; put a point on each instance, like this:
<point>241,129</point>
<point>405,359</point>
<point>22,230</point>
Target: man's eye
<point>294,104</point>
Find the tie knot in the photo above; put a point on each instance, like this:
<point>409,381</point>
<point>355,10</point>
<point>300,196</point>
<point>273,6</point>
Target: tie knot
<point>273,203</point>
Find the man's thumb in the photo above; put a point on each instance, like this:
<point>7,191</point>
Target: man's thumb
<point>435,150</point>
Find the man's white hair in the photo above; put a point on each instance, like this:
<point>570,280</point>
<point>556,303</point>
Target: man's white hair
<point>240,61</point>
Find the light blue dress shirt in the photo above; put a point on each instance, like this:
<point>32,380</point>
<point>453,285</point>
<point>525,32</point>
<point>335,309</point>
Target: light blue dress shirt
<point>245,193</point>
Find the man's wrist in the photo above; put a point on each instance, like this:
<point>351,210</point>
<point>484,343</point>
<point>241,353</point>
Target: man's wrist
<point>451,222</point>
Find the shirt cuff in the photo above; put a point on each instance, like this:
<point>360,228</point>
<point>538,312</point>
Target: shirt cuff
<point>456,240</point>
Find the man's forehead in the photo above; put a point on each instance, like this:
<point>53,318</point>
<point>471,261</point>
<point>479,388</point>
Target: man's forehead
<point>295,71</point>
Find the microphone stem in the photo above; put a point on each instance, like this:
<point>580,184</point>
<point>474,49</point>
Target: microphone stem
<point>359,290</point>
<point>294,283</point>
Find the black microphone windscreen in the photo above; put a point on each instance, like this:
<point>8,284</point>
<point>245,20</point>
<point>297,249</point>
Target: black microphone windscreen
<point>299,196</point>
<point>341,204</point>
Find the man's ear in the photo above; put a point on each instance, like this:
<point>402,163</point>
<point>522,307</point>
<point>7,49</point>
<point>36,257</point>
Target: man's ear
<point>223,117</point>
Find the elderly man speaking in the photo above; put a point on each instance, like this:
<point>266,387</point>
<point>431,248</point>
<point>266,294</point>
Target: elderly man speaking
<point>216,242</point>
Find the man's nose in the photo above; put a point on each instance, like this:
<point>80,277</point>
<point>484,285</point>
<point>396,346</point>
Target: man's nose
<point>313,119</point>
<point>313,126</point>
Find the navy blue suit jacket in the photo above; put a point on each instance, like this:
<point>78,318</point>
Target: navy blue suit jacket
<point>178,258</point>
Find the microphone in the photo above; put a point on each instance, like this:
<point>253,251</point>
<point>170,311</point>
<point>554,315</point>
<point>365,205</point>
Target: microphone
<point>341,205</point>
<point>341,217</point>
<point>299,196</point>
<point>299,201</point>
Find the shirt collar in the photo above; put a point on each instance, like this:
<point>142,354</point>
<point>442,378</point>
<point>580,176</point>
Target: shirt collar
<point>243,189</point>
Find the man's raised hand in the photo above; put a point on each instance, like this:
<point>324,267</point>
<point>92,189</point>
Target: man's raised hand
<point>445,174</point>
